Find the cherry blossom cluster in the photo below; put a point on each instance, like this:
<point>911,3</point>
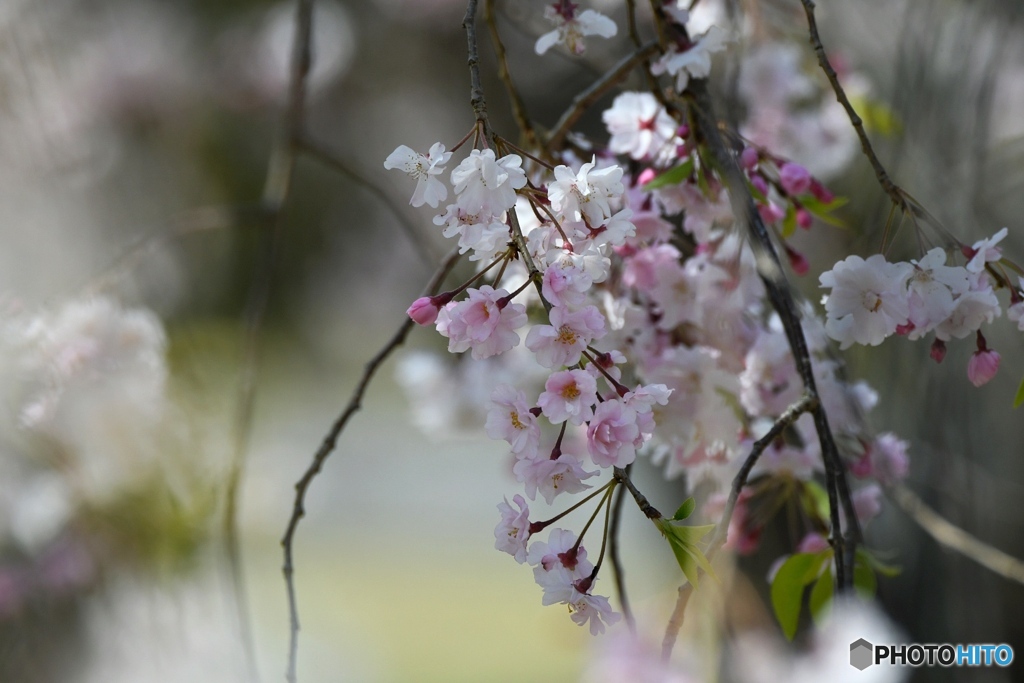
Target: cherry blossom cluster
<point>872,299</point>
<point>639,309</point>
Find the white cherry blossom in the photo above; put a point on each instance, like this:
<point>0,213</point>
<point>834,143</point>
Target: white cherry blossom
<point>570,28</point>
<point>429,190</point>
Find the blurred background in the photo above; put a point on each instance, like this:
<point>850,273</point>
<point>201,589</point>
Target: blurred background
<point>132,130</point>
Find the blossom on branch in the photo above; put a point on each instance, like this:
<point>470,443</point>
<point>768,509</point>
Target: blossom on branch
<point>429,190</point>
<point>570,28</point>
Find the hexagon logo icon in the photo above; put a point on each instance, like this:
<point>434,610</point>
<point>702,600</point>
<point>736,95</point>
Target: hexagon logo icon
<point>861,652</point>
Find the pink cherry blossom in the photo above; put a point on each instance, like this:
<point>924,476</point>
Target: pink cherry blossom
<point>569,395</point>
<point>481,323</point>
<point>985,251</point>
<point>564,340</point>
<point>509,418</point>
<point>564,474</point>
<point>794,178</point>
<point>565,284</point>
<point>513,530</point>
<point>612,434</point>
<point>594,609</point>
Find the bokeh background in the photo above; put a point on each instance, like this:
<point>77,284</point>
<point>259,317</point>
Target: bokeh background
<point>128,126</point>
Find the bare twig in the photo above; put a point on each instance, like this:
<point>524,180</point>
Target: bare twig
<point>641,501</point>
<point>327,447</point>
<point>675,621</point>
<point>953,537</point>
<point>613,554</point>
<point>277,186</point>
<point>895,193</point>
<point>321,153</point>
<point>588,97</point>
<point>518,107</point>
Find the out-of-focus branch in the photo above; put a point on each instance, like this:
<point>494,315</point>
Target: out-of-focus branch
<point>675,622</point>
<point>518,106</point>
<point>327,447</point>
<point>588,97</point>
<point>953,537</point>
<point>321,153</point>
<point>276,189</point>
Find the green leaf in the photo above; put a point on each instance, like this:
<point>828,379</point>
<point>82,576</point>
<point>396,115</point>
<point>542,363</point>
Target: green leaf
<point>685,510</point>
<point>824,211</point>
<point>793,576</point>
<point>673,176</point>
<point>816,501</point>
<point>683,541</point>
<point>821,595</point>
<point>1019,398</point>
<point>788,591</point>
<point>789,222</point>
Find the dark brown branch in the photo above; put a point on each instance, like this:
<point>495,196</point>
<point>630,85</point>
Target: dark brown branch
<point>588,97</point>
<point>641,501</point>
<point>327,447</point>
<point>613,554</point>
<point>321,153</point>
<point>770,270</point>
<point>895,193</point>
<point>518,106</point>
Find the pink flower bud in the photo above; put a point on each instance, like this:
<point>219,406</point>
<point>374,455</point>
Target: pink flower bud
<point>804,219</point>
<point>795,179</point>
<point>759,183</point>
<point>770,213</point>
<point>646,176</point>
<point>821,193</point>
<point>982,367</point>
<point>938,350</point>
<point>423,311</point>
<point>748,158</point>
<point>797,261</point>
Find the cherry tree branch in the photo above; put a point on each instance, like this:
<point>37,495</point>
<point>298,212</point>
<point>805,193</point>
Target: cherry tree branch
<point>316,150</point>
<point>613,554</point>
<point>770,271</point>
<point>518,106</point>
<point>327,446</point>
<point>896,194</point>
<point>953,537</point>
<point>276,190</point>
<point>588,97</point>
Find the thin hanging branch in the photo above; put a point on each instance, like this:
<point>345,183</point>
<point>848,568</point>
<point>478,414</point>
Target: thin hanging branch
<point>315,150</point>
<point>954,538</point>
<point>518,106</point>
<point>327,446</point>
<point>276,190</point>
<point>588,97</point>
<point>613,554</point>
<point>896,194</point>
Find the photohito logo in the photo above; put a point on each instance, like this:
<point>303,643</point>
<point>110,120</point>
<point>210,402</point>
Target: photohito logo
<point>863,654</point>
